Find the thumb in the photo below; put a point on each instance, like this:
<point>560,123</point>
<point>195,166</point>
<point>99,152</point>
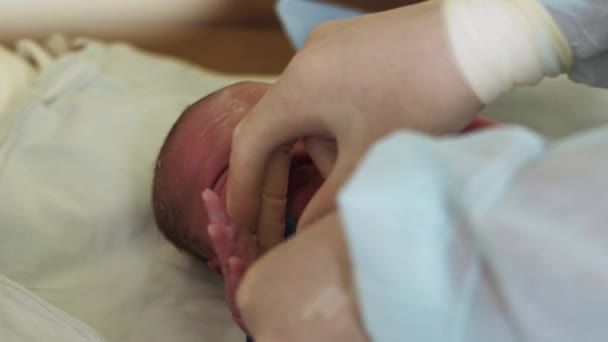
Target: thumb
<point>323,154</point>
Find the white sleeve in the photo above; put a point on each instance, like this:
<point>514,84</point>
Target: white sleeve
<point>487,237</point>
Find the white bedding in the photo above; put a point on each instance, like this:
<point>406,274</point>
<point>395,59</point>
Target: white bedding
<point>556,108</point>
<point>16,74</point>
<point>80,256</point>
<point>77,149</point>
<point>26,317</point>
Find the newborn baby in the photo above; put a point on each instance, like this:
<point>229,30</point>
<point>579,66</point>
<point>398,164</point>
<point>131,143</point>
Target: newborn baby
<point>194,158</point>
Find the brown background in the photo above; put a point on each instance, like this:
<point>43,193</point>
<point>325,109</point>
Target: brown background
<point>241,36</point>
<point>246,39</point>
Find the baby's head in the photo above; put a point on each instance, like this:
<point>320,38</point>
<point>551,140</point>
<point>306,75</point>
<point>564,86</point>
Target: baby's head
<point>194,157</point>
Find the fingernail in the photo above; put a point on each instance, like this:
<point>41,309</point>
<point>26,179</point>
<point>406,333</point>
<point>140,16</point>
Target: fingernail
<point>235,264</point>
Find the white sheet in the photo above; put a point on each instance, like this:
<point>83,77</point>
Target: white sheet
<point>76,228</point>
<point>16,74</point>
<point>26,317</point>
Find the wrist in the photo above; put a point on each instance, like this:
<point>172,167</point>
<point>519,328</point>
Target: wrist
<point>500,44</point>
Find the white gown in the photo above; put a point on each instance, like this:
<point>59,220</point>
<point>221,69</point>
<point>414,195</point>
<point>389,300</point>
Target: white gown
<point>490,237</point>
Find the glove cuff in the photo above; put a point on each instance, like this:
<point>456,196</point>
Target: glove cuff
<point>500,44</point>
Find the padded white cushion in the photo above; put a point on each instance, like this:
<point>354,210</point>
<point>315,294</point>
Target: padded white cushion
<point>77,152</point>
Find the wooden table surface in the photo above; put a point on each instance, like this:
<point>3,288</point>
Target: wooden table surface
<point>239,50</point>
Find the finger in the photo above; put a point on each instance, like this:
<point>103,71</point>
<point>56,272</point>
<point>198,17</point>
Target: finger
<point>237,270</point>
<point>222,246</point>
<point>233,279</point>
<point>324,201</point>
<point>232,282</point>
<point>215,211</point>
<point>273,122</point>
<point>217,215</point>
<point>271,219</point>
<point>323,153</point>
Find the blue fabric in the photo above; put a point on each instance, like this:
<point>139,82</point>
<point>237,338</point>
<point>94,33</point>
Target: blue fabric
<point>420,194</point>
<point>300,17</point>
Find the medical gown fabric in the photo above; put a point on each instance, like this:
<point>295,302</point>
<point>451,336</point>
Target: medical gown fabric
<point>77,151</point>
<point>494,236</point>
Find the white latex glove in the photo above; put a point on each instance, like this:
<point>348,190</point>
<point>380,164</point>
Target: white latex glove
<point>345,89</point>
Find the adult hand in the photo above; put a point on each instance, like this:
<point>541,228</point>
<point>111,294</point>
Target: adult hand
<point>302,290</point>
<point>354,81</point>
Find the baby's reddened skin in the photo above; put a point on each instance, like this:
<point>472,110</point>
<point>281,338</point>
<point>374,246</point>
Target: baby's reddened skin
<point>195,157</point>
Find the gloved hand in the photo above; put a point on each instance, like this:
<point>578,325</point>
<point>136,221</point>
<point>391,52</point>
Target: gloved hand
<point>300,17</point>
<point>585,25</point>
<point>349,87</point>
<point>359,79</point>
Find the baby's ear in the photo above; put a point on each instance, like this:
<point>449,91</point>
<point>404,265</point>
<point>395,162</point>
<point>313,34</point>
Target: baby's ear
<point>214,265</point>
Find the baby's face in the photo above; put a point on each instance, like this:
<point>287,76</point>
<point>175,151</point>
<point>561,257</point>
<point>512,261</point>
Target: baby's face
<point>198,155</point>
